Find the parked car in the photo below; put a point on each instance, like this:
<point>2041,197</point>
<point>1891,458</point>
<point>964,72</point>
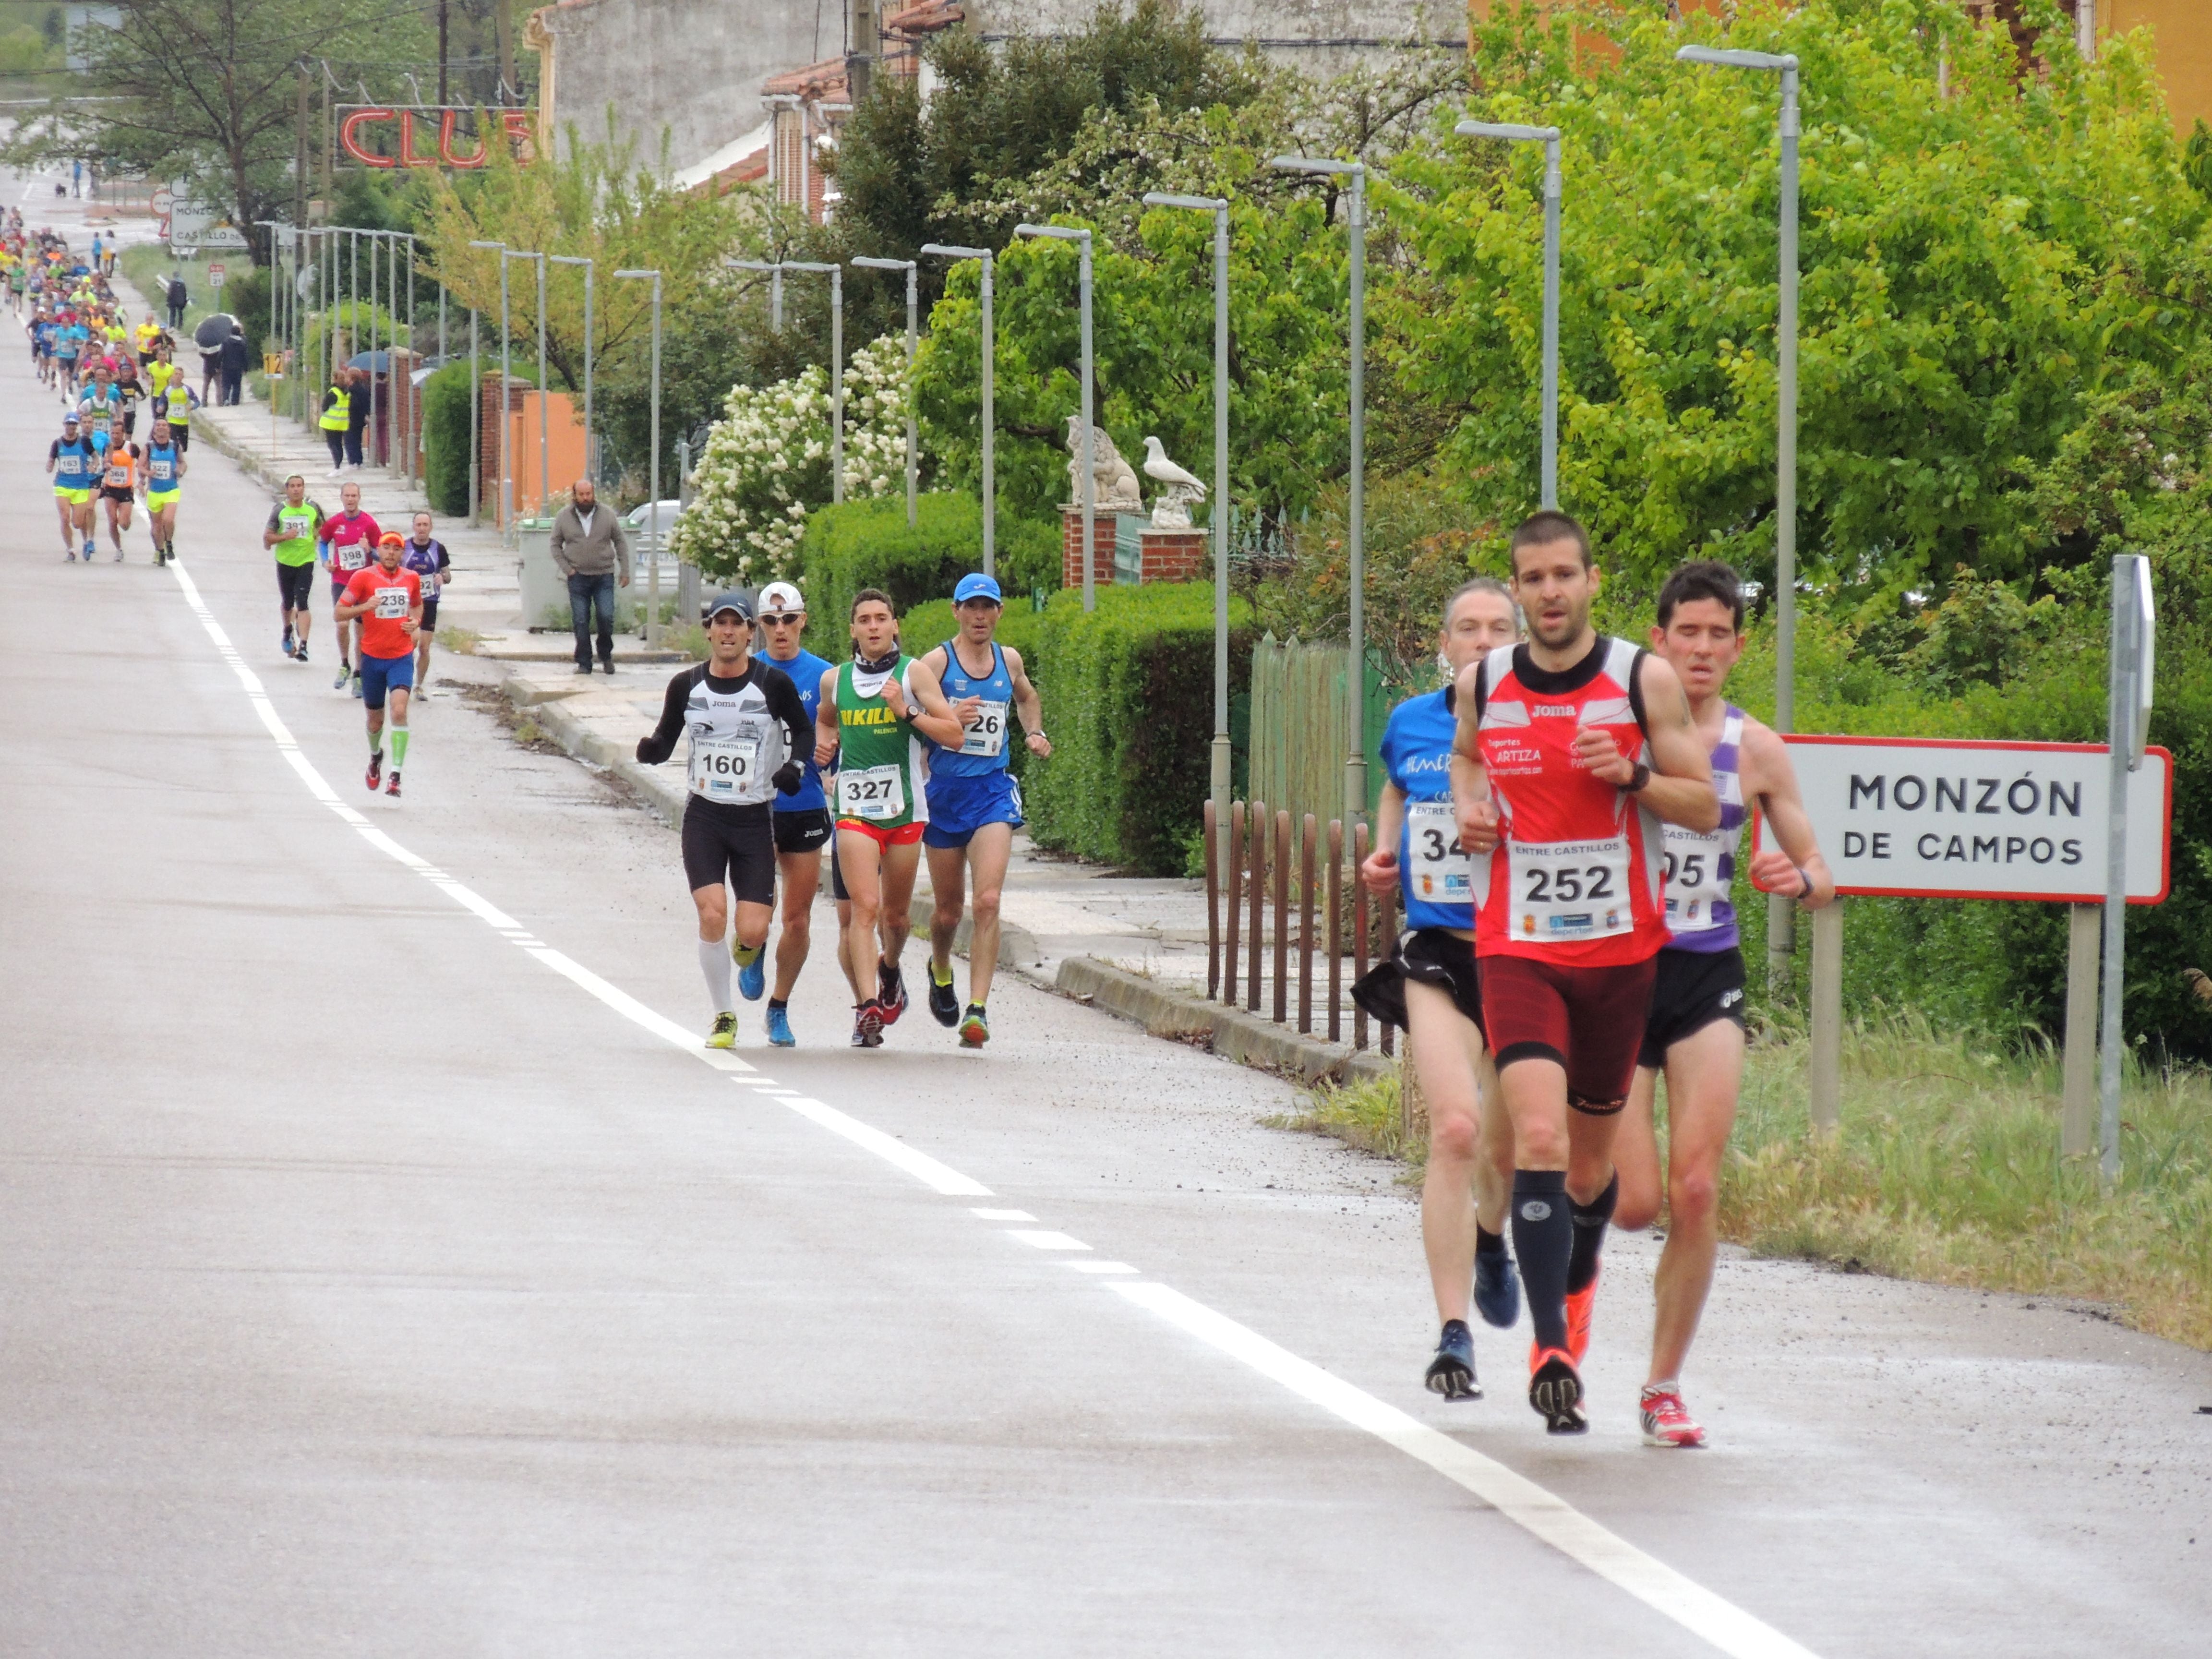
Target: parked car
<point>637,524</point>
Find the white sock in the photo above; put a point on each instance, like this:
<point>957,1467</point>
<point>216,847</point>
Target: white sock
<point>715,962</point>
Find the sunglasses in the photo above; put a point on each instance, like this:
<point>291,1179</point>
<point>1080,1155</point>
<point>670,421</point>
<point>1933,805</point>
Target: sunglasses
<point>774,621</point>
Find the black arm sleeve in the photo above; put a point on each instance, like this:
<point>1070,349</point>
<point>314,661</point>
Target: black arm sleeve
<point>782,699</point>
<point>660,743</point>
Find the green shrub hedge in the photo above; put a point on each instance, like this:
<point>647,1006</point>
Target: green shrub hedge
<point>445,439</point>
<point>866,544</point>
<point>1128,702</point>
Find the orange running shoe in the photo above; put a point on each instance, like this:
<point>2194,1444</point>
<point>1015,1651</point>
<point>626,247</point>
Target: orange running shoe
<point>1667,1420</point>
<point>1555,1389</point>
<point>1579,1304</point>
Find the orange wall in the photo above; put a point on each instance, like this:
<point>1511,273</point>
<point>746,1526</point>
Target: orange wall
<point>564,446</point>
<point>2182,30</point>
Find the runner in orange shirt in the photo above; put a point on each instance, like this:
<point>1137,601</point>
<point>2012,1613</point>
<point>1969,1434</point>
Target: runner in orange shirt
<point>387,598</point>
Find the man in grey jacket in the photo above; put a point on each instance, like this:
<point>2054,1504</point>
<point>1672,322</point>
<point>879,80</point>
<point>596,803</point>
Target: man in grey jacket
<point>589,549</point>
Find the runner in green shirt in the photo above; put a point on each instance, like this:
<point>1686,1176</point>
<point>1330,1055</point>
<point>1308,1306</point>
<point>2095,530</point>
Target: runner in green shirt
<point>873,713</point>
<point>293,524</point>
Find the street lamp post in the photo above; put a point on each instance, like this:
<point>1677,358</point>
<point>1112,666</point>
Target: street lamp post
<point>775,268</point>
<point>1355,765</point>
<point>1218,208</point>
<point>1549,137</point>
<point>653,575</point>
<point>544,435</point>
<point>986,259</point>
<point>1781,912</point>
<point>913,336</point>
<point>590,269</point>
<point>476,417</point>
<point>1082,240</point>
<point>506,484</point>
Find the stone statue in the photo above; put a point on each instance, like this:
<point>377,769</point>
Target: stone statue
<point>1114,484</point>
<point>1171,506</point>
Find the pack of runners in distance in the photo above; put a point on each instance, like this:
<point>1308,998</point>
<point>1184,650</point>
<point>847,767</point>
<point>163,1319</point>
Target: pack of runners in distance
<point>1564,821</point>
<point>103,368</point>
<point>915,752</point>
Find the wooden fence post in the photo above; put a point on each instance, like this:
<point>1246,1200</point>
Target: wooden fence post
<point>1256,823</point>
<point>1336,929</point>
<point>1358,931</point>
<point>1282,916</point>
<point>1212,907</point>
<point>1306,925</point>
<point>1236,862</point>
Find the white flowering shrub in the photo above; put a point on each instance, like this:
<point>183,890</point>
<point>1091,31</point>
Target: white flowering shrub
<point>766,462</point>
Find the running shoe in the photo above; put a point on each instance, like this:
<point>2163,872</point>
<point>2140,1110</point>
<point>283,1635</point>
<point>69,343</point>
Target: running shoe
<point>119,555</point>
<point>290,644</point>
<point>868,1024</point>
<point>1451,1373</point>
<point>975,1028</point>
<point>302,653</point>
<point>356,682</point>
<point>725,1034</point>
<point>338,685</point>
<point>778,1028</point>
<point>890,992</point>
<point>1667,1420</point>
<point>72,556</point>
<point>375,769</point>
<point>752,977</point>
<point>944,1003</point>
<point>1555,1389</point>
<point>391,784</point>
<point>1579,1304</point>
<point>1497,1288</point>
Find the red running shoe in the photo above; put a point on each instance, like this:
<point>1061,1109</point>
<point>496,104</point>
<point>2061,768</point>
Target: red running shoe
<point>375,769</point>
<point>1667,1420</point>
<point>1579,1304</point>
<point>391,784</point>
<point>1555,1389</point>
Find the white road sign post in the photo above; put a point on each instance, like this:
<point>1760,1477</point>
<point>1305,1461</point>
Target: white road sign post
<point>1910,817</point>
<point>215,278</point>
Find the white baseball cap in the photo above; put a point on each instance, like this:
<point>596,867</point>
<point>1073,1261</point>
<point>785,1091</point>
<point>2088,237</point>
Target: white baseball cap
<point>780,598</point>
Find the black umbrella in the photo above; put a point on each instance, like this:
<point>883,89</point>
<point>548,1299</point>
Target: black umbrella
<point>377,362</point>
<point>214,330</point>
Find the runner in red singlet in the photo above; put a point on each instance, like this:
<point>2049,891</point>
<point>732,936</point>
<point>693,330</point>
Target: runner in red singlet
<point>1570,751</point>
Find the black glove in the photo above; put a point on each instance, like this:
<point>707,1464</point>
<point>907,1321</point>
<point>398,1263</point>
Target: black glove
<point>788,777</point>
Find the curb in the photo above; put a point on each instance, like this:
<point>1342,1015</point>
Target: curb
<point>1234,1034</point>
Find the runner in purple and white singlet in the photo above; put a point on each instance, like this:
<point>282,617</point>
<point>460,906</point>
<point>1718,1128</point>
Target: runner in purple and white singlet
<point>1695,1030</point>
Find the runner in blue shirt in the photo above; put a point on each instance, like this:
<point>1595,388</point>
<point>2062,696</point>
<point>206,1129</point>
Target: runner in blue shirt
<point>802,823</point>
<point>1429,990</point>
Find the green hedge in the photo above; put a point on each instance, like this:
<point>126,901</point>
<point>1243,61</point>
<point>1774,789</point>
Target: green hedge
<point>445,439</point>
<point>867,544</point>
<point>1128,702</point>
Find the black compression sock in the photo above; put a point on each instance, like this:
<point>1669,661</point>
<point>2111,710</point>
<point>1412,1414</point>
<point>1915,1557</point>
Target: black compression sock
<point>774,1002</point>
<point>1591,1222</point>
<point>1542,1236</point>
<point>1487,1242</point>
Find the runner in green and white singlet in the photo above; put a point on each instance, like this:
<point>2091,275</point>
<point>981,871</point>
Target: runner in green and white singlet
<point>871,711</point>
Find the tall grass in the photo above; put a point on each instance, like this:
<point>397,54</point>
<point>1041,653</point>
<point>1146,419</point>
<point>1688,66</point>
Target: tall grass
<point>1947,1170</point>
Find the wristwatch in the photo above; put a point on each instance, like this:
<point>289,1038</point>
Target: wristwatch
<point>1638,778</point>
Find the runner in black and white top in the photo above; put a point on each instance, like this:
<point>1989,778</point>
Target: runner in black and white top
<point>749,733</point>
<point>1695,1028</point>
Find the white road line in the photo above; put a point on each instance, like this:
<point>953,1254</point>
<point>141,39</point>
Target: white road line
<point>1574,1534</point>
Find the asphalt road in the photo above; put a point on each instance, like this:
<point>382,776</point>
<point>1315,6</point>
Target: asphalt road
<point>383,1270</point>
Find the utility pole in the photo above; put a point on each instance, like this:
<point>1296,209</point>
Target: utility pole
<point>860,51</point>
<point>300,156</point>
<point>442,98</point>
<point>503,22</point>
<point>330,135</point>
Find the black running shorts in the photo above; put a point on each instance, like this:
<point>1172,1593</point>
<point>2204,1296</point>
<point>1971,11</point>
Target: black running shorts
<point>802,832</point>
<point>295,585</point>
<point>1591,1020</point>
<point>1427,955</point>
<point>732,844</point>
<point>429,623</point>
<point>1694,989</point>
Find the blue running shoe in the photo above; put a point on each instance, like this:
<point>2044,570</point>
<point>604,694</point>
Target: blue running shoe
<point>1497,1288</point>
<point>1451,1373</point>
<point>752,977</point>
<point>778,1028</point>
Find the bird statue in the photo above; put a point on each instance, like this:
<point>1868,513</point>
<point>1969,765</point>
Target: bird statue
<point>1172,508</point>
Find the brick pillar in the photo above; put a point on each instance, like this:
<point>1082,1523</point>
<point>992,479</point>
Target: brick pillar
<point>1174,555</point>
<point>1071,548</point>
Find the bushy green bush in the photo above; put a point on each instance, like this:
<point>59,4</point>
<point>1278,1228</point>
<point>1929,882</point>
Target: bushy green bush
<point>866,544</point>
<point>445,439</point>
<point>1129,698</point>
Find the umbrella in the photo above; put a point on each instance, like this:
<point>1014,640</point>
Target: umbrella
<point>377,362</point>
<point>214,330</point>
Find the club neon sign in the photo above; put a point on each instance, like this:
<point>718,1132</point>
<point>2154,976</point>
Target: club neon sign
<point>404,133</point>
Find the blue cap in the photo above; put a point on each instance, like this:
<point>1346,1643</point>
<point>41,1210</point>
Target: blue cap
<point>729,602</point>
<point>977,586</point>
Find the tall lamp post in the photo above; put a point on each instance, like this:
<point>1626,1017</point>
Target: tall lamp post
<point>913,338</point>
<point>590,270</point>
<point>837,275</point>
<point>653,575</point>
<point>544,435</point>
<point>986,259</point>
<point>1781,912</point>
<point>1355,765</point>
<point>1218,208</point>
<point>506,483</point>
<point>1549,138</point>
<point>1082,240</point>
